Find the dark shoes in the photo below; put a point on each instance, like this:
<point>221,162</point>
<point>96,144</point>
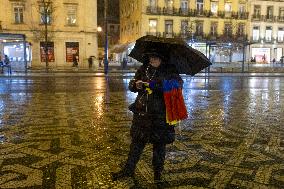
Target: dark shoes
<point>157,177</point>
<point>121,174</point>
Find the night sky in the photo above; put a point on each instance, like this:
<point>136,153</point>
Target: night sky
<point>113,11</point>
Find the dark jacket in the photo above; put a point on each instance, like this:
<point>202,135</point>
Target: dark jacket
<point>149,122</point>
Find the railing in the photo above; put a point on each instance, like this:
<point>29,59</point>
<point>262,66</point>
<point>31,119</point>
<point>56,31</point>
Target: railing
<point>280,18</point>
<point>195,12</point>
<point>203,37</point>
<point>256,17</point>
<point>158,34</point>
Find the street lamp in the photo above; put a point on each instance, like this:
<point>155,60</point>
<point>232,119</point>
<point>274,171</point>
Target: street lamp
<point>106,39</point>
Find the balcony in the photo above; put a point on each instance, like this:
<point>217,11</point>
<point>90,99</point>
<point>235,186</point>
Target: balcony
<point>255,40</point>
<point>256,17</point>
<point>195,13</point>
<point>270,18</point>
<point>157,34</point>
<point>183,11</point>
<point>280,18</point>
<point>153,10</point>
<point>169,35</point>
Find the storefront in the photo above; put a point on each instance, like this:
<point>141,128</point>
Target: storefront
<point>17,49</point>
<point>261,55</point>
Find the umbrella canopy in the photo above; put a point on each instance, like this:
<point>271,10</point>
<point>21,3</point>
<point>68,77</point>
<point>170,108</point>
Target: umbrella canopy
<point>173,51</point>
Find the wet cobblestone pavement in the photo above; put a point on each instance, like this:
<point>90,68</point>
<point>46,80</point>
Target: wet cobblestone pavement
<point>71,132</point>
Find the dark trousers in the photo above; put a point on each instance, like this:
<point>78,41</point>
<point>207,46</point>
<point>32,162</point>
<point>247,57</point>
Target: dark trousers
<point>136,149</point>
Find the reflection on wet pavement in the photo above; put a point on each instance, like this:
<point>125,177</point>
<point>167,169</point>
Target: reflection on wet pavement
<point>71,132</point>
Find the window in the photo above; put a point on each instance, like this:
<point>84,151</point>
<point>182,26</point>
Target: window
<point>169,4</point>
<point>241,30</point>
<point>199,28</point>
<point>214,8</point>
<point>281,14</point>
<point>269,12</point>
<point>256,11</point>
<point>228,9</point>
<point>268,33</point>
<point>19,14</point>
<point>280,35</point>
<point>153,26</point>
<point>45,13</point>
<point>153,3</point>
<point>213,28</point>
<point>71,15</point>
<point>242,8</point>
<point>184,5</point>
<point>228,29</point>
<point>169,28</point>
<point>184,26</point>
<point>255,33</point>
<point>199,6</point>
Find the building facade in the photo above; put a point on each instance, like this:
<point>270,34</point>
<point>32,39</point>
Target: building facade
<point>70,27</point>
<point>220,29</point>
<point>266,30</point>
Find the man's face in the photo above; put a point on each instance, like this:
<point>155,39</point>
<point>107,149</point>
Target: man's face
<point>155,61</point>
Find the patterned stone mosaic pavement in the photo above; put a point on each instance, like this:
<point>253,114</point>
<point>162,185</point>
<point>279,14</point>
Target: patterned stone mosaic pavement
<point>71,132</point>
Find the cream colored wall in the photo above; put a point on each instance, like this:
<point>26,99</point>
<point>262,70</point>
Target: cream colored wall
<point>129,18</point>
<point>177,19</point>
<point>85,33</point>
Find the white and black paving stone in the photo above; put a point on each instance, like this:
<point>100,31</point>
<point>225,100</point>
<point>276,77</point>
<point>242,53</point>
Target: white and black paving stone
<point>68,131</point>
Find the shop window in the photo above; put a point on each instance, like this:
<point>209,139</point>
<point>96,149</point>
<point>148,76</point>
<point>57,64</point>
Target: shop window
<point>72,50</point>
<point>71,15</point>
<point>19,14</point>
<point>49,46</point>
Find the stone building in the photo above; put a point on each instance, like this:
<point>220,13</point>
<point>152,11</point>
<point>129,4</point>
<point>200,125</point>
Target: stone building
<point>266,30</point>
<point>71,27</point>
<point>223,30</point>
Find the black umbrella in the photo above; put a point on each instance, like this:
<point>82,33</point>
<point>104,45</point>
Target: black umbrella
<point>174,51</point>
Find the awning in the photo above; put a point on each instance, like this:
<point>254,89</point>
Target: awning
<point>119,48</point>
<point>11,37</point>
